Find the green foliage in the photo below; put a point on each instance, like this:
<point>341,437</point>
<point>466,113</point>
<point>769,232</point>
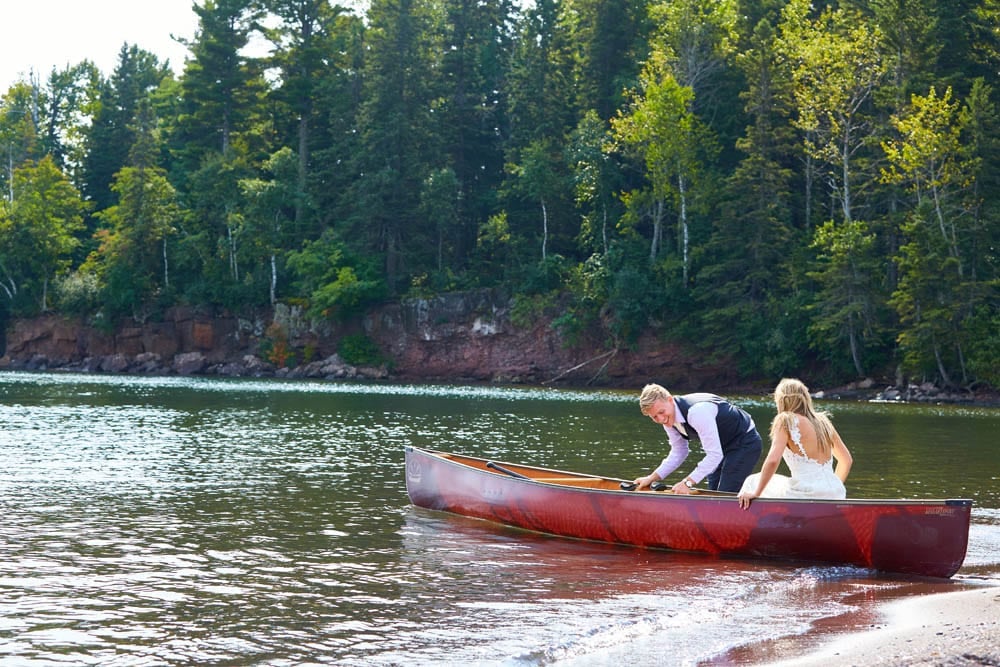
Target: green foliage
<point>545,276</point>
<point>346,294</point>
<point>629,169</point>
<point>116,125</point>
<point>526,310</point>
<point>846,308</point>
<point>587,286</point>
<point>982,330</point>
<point>335,286</point>
<point>934,299</point>
<point>78,293</point>
<point>359,350</point>
<point>632,300</point>
<point>38,229</point>
<point>497,251</point>
<point>133,258</point>
<point>593,171</point>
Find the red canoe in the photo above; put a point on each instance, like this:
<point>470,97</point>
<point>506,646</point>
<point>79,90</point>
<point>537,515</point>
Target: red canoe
<point>922,537</point>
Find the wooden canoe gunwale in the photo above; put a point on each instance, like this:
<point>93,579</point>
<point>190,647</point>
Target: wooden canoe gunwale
<point>908,536</point>
<point>527,470</point>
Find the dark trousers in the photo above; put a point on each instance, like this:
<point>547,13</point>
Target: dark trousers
<point>738,461</point>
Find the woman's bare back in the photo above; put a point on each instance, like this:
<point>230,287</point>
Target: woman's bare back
<point>810,443</point>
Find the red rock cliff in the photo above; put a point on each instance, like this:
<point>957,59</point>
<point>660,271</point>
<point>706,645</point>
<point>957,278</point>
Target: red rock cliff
<point>460,337</point>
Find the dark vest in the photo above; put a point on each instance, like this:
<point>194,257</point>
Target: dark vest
<point>732,422</point>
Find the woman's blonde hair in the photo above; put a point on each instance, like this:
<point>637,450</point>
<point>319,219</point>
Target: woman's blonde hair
<point>792,397</point>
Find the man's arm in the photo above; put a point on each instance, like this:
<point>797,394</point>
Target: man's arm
<point>678,453</point>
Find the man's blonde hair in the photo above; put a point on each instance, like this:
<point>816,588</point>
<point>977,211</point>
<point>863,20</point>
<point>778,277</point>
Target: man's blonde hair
<point>651,393</point>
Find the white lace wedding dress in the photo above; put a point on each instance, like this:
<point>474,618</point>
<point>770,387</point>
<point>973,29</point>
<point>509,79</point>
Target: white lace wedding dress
<point>810,478</point>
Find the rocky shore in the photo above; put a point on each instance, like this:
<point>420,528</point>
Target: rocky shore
<point>464,337</point>
<point>924,392</point>
<point>197,363</point>
<point>334,368</point>
<point>456,338</point>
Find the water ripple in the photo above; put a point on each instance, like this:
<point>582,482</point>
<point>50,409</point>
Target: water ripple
<point>180,521</point>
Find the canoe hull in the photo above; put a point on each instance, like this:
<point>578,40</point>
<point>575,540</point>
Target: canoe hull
<point>927,538</point>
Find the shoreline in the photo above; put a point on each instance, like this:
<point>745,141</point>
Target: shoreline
<point>333,368</point>
<point>949,629</point>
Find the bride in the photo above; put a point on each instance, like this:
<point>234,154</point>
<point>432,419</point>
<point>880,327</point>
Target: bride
<point>808,443</point>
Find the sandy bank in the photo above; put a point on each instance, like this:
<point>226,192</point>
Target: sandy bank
<point>944,629</point>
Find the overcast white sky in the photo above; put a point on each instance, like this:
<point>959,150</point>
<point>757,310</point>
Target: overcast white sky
<point>41,34</point>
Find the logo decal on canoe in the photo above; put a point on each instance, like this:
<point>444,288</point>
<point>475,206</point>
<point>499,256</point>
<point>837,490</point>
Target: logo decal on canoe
<point>413,471</point>
<point>943,511</point>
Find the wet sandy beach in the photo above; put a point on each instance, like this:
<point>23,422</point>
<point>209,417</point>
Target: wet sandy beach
<point>942,629</point>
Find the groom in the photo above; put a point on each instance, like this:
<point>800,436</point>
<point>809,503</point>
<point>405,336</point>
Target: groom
<point>731,442</point>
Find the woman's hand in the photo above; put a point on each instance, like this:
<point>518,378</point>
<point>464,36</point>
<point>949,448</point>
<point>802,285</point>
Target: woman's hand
<point>746,497</point>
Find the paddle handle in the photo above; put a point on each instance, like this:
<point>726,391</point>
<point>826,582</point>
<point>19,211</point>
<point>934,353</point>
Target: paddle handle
<point>500,468</point>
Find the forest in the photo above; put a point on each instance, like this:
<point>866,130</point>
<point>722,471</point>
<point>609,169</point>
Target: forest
<point>790,184</point>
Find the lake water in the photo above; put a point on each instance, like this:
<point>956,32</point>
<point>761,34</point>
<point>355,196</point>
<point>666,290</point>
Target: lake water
<point>184,521</point>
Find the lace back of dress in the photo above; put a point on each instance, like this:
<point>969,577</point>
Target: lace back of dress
<point>793,430</point>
